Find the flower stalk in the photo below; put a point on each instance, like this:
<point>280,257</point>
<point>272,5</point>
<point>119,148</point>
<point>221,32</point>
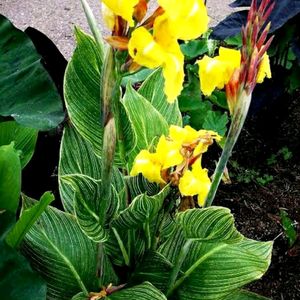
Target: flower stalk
<point>240,87</point>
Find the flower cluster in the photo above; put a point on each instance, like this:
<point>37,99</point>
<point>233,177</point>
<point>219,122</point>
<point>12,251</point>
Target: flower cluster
<point>216,72</point>
<point>177,159</point>
<point>173,20</point>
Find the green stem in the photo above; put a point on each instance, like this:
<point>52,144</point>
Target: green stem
<point>122,247</point>
<point>176,269</point>
<point>238,120</point>
<point>93,25</point>
<point>148,234</point>
<point>194,267</point>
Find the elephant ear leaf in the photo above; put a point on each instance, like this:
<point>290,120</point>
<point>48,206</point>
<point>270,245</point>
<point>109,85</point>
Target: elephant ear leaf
<point>27,92</point>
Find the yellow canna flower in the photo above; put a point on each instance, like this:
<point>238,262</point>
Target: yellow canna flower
<point>187,19</point>
<point>168,153</point>
<point>122,8</point>
<point>264,69</point>
<point>216,72</point>
<point>144,50</point>
<point>195,182</point>
<point>186,135</point>
<point>148,164</point>
<point>108,16</point>
<point>159,50</point>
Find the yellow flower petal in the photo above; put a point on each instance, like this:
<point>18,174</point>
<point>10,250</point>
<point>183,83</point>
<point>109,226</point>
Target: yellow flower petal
<point>147,164</point>
<point>144,50</point>
<point>122,8</point>
<point>108,16</point>
<point>264,69</point>
<point>168,152</point>
<point>188,19</point>
<point>173,72</point>
<point>216,72</point>
<point>184,135</point>
<point>195,182</point>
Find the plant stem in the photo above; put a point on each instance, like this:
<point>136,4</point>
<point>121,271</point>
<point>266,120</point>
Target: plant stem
<point>237,123</point>
<point>122,247</point>
<point>180,259</point>
<point>194,267</point>
<point>93,25</point>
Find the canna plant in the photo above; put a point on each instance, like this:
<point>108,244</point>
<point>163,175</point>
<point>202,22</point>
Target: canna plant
<point>137,220</point>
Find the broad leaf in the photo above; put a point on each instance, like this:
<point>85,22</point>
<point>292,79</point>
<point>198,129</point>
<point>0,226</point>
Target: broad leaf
<point>80,182</point>
<point>82,92</point>
<point>27,219</point>
<point>10,178</point>
<point>147,122</point>
<point>144,291</point>
<point>209,225</point>
<point>153,90</point>
<point>215,270</point>
<point>27,93</point>
<point>24,138</point>
<point>245,295</point>
<point>219,260</point>
<point>63,255</point>
<point>194,48</point>
<point>17,280</point>
<point>216,121</point>
<point>7,221</point>
<point>141,210</point>
<point>155,268</point>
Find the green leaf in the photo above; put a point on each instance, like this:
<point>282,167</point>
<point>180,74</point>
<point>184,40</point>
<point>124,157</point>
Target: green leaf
<point>136,77</point>
<point>24,138</point>
<point>194,48</point>
<point>17,280</point>
<point>219,260</point>
<point>219,98</point>
<point>82,92</point>
<point>27,93</point>
<point>190,98</point>
<point>153,90</point>
<point>7,221</point>
<point>141,210</point>
<point>288,227</point>
<point>63,255</point>
<point>154,268</point>
<point>87,206</point>
<point>144,291</point>
<point>198,116</point>
<point>210,224</point>
<point>10,178</point>
<point>80,175</point>
<point>216,121</point>
<point>245,295</point>
<point>28,218</point>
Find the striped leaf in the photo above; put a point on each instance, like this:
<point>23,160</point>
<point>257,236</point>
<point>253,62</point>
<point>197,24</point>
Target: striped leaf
<point>10,178</point>
<point>24,138</point>
<point>215,270</point>
<point>209,224</point>
<point>27,219</point>
<point>141,210</point>
<point>144,291</point>
<point>63,255</point>
<point>80,185</point>
<point>139,185</point>
<point>245,295</point>
<point>82,92</point>
<point>219,260</point>
<point>153,90</point>
<point>147,122</point>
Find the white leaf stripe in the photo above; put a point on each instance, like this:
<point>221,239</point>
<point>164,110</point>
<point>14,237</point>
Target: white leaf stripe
<point>63,255</point>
